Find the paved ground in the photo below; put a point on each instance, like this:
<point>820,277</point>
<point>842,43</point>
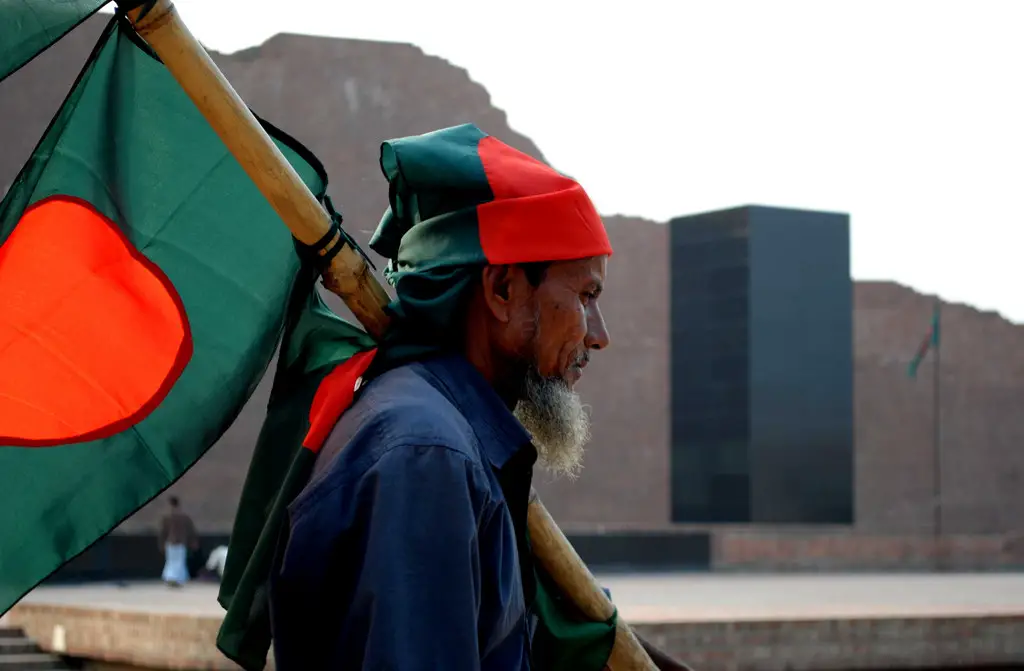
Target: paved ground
<point>681,597</point>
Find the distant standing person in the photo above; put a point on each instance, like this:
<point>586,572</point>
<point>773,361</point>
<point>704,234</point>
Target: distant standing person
<point>177,537</point>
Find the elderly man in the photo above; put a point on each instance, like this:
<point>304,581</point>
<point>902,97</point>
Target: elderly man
<point>408,549</point>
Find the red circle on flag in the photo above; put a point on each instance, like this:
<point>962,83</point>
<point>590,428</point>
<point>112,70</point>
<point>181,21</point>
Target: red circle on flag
<point>93,334</point>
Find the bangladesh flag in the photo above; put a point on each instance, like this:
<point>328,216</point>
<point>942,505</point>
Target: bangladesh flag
<point>930,341</point>
<point>144,285</point>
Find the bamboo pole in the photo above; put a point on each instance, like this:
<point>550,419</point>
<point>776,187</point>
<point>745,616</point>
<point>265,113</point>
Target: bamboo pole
<point>555,553</point>
<point>159,24</point>
<point>348,275</point>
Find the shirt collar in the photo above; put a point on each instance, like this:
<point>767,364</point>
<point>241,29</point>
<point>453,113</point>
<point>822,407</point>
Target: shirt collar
<point>500,433</point>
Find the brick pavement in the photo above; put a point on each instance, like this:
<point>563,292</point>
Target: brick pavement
<point>757,622</point>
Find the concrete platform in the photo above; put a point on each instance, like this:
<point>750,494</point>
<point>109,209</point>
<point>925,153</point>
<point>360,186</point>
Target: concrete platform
<point>713,621</point>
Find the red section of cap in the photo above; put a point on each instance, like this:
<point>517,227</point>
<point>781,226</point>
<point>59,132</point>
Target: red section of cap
<point>537,214</point>
<point>92,333</point>
<point>333,397</point>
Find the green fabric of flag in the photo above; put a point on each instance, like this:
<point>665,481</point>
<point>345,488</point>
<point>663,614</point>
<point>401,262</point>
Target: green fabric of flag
<point>29,27</point>
<point>144,284</point>
<point>565,638</point>
<point>930,341</point>
<point>459,200</point>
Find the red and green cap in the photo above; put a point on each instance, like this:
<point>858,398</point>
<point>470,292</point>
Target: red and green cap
<point>460,197</point>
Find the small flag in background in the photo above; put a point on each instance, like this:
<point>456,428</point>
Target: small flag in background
<point>931,340</point>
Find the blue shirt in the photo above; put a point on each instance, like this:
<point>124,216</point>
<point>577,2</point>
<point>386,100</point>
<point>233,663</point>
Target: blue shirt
<point>406,550</point>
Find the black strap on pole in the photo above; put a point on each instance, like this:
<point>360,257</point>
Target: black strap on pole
<point>322,252</point>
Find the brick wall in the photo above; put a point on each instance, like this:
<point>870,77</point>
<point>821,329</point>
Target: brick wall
<point>841,550</point>
<point>365,92</point>
<point>843,644</point>
<point>982,429</point>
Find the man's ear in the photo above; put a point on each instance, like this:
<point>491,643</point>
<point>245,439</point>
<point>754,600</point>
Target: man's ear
<point>502,288</point>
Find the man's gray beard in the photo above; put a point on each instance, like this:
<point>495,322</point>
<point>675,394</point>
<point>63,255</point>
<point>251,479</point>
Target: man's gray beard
<point>557,420</point>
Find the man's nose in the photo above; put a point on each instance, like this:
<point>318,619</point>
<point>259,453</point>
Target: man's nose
<point>597,331</point>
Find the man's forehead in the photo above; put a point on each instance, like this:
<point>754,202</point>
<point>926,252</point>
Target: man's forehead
<point>590,269</point>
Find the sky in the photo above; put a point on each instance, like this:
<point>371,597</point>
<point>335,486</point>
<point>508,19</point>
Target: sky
<point>906,115</point>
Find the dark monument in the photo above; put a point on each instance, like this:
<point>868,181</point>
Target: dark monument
<point>762,367</point>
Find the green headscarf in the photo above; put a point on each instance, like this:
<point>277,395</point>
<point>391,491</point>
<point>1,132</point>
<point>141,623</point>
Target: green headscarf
<point>460,200</point>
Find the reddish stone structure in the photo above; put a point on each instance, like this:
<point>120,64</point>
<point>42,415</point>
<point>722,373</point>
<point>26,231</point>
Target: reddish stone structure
<point>342,97</point>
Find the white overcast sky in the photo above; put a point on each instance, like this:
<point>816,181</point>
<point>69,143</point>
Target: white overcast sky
<point>906,114</point>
